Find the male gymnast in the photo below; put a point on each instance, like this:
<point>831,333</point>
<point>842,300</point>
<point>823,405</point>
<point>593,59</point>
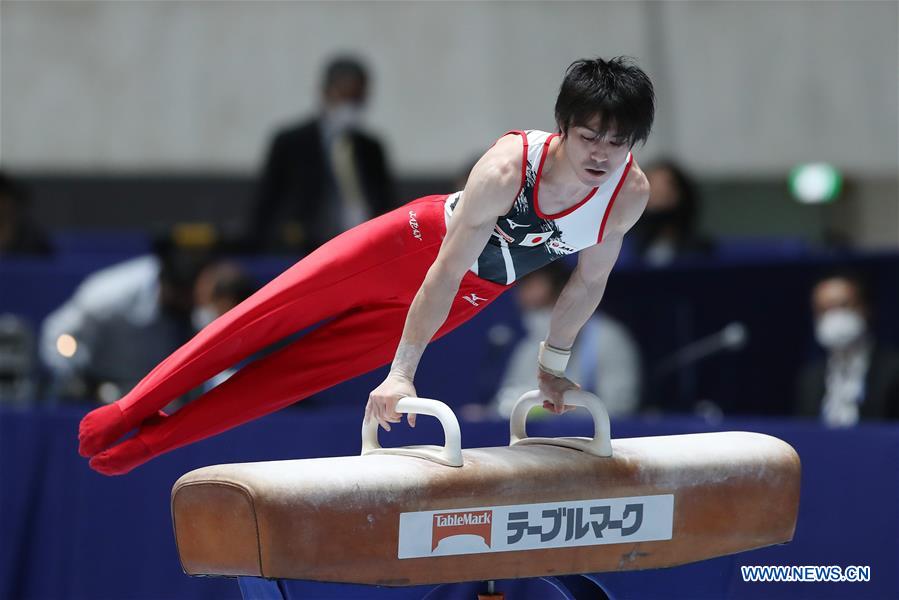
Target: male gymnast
<point>394,283</point>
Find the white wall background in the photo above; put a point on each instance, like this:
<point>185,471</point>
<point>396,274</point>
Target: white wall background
<point>743,87</point>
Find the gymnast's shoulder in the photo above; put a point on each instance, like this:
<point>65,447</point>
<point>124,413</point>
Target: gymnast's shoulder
<point>504,159</point>
<point>631,200</point>
<point>497,175</point>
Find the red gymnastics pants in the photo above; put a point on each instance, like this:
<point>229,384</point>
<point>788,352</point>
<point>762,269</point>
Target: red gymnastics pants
<point>366,278</point>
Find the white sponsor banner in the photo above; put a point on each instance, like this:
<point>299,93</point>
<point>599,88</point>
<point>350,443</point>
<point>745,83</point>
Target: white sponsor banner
<point>535,526</point>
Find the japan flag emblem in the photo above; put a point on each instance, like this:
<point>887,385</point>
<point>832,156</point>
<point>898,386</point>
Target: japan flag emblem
<point>535,239</point>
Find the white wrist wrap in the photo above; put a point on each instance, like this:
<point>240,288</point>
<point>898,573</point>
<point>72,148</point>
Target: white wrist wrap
<point>553,360</point>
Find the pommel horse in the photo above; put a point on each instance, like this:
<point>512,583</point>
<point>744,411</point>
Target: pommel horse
<point>537,508</point>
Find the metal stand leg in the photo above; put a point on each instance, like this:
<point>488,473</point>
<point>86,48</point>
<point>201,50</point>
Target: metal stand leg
<point>491,593</point>
<point>258,588</point>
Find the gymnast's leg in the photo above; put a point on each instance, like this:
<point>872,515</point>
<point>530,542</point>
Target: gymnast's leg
<point>323,284</point>
<point>354,343</point>
<point>350,345</point>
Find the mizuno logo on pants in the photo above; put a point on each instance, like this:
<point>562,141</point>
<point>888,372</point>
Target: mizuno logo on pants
<point>413,223</point>
<point>473,298</point>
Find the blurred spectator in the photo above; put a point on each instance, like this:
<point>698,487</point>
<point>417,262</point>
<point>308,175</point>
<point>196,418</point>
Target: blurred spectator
<point>120,322</point>
<point>220,287</point>
<point>604,360</point>
<point>859,377</point>
<point>668,229</point>
<point>323,176</point>
<point>18,232</point>
<point>16,358</point>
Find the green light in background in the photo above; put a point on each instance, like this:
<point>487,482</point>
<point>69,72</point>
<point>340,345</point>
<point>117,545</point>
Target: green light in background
<point>815,183</point>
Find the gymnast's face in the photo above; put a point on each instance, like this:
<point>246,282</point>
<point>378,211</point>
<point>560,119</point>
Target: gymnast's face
<point>594,156</point>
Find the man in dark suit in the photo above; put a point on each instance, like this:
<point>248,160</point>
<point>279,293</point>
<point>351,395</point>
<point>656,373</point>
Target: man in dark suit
<point>859,377</point>
<point>322,176</point>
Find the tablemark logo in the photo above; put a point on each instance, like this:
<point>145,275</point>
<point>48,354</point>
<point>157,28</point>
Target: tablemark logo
<point>447,525</point>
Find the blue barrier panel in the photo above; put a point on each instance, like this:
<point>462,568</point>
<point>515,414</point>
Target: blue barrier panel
<point>664,309</point>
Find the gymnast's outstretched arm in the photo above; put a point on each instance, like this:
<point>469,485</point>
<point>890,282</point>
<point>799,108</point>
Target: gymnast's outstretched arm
<point>586,285</point>
<point>489,193</point>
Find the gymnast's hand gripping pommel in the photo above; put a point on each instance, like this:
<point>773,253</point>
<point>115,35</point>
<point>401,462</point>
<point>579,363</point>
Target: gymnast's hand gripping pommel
<point>451,453</point>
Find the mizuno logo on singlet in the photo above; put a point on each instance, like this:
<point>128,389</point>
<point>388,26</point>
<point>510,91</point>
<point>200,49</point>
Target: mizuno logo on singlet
<point>473,299</point>
<point>513,224</point>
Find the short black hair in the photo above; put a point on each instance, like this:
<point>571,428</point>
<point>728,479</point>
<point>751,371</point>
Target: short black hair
<point>616,89</point>
<point>344,66</point>
<point>179,266</point>
<point>234,284</point>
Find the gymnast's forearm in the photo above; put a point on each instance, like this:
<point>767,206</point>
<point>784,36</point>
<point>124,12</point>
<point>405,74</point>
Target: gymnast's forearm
<point>428,311</point>
<point>577,302</point>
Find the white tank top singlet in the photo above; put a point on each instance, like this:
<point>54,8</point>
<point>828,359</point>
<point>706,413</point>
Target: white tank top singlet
<point>526,238</point>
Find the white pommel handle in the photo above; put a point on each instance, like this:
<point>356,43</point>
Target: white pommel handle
<point>599,445</point>
<point>450,454</point>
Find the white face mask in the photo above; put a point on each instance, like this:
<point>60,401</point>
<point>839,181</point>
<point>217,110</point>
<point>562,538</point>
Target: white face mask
<point>839,327</point>
<point>344,117</point>
<point>201,316</point>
